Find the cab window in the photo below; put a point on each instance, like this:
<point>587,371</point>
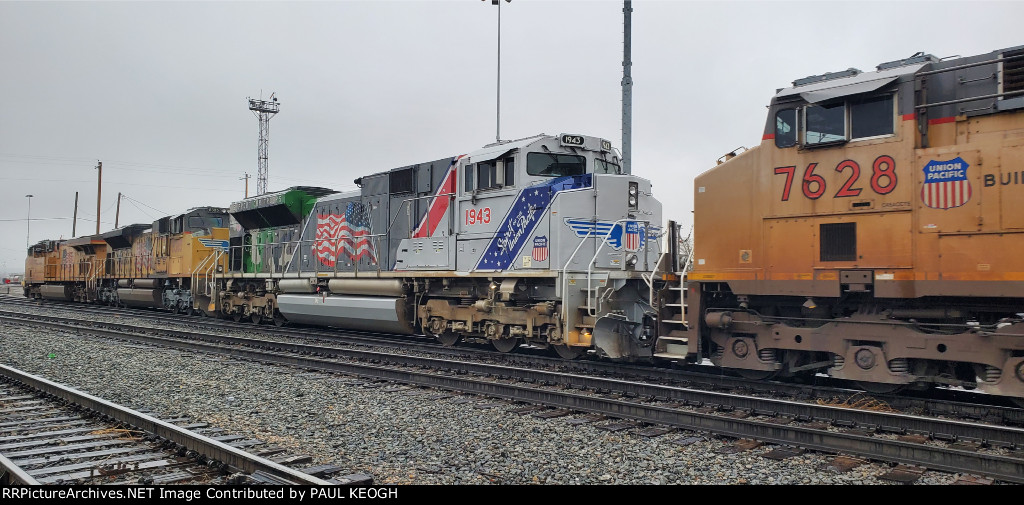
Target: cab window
<point>825,123</point>
<point>487,174</point>
<point>510,171</point>
<point>555,165</point>
<point>871,117</point>
<point>606,167</point>
<point>785,128</point>
<point>853,119</point>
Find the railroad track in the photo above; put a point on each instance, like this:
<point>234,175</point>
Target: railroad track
<point>53,434</point>
<point>952,403</point>
<point>940,444</point>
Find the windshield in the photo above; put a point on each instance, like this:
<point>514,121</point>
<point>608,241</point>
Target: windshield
<point>555,165</point>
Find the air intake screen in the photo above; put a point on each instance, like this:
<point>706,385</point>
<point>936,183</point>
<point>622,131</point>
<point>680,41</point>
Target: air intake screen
<point>1013,71</point>
<point>839,242</point>
<point>401,180</point>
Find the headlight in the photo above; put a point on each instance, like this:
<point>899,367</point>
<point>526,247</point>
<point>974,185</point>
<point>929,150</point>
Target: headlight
<point>632,259</point>
<point>632,201</point>
<point>632,190</point>
<point>634,193</point>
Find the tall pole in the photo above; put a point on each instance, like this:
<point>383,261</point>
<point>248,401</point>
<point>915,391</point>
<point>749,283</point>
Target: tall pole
<point>497,131</point>
<point>99,191</point>
<point>263,110</point>
<point>74,220</point>
<point>117,216</point>
<point>627,89</point>
<point>28,222</point>
<point>246,179</point>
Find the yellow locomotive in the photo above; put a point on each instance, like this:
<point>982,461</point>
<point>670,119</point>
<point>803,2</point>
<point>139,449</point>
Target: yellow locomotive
<point>874,234</point>
<point>138,265</point>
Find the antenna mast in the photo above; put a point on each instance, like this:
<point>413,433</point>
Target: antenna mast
<point>627,88</point>
<point>263,110</point>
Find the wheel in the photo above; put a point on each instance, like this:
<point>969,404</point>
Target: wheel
<point>447,338</point>
<point>237,316</point>
<point>505,344</point>
<point>256,318</point>
<point>279,320</point>
<point>176,308</point>
<point>190,310</point>
<point>880,388</point>
<point>756,375</point>
<point>569,352</point>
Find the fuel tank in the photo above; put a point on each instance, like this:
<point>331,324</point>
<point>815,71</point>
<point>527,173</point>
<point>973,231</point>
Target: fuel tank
<point>370,313</point>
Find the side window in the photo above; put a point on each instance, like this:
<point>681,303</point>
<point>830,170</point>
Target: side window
<point>872,117</point>
<point>487,172</point>
<point>785,128</point>
<point>510,171</point>
<point>825,123</point>
<point>469,178</point>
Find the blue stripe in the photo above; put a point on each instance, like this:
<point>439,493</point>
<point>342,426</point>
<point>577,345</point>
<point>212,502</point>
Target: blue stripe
<point>522,219</point>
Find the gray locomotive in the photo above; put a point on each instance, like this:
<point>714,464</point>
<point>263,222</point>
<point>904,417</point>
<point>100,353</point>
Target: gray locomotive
<point>541,241</point>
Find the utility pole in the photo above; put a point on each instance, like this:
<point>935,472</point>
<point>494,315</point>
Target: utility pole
<point>627,88</point>
<point>497,130</point>
<point>263,110</point>
<point>74,220</point>
<point>246,179</point>
<point>117,216</point>
<point>28,221</point>
<point>99,191</point>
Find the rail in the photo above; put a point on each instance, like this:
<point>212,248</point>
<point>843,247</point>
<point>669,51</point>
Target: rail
<point>212,449</point>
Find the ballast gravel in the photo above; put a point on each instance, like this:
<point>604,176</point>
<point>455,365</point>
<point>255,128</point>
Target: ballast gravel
<point>400,434</point>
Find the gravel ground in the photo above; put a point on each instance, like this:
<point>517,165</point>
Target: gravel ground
<point>406,436</point>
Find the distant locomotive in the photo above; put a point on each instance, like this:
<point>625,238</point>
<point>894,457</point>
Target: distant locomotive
<point>139,265</point>
<point>874,235</point>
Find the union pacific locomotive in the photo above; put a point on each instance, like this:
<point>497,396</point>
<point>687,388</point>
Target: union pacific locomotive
<point>542,240</point>
<point>873,235</point>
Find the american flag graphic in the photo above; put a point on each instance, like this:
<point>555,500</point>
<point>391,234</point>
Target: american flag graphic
<point>347,234</point>
<point>632,239</point>
<point>540,248</point>
<point>945,184</point>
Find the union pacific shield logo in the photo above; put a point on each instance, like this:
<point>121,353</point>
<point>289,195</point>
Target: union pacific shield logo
<point>632,242</point>
<point>945,184</point>
<point>540,248</point>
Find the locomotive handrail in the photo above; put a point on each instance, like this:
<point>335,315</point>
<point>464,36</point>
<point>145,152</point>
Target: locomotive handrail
<point>591,310</point>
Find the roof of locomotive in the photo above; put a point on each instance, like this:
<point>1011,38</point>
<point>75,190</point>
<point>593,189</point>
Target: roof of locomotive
<point>824,87</point>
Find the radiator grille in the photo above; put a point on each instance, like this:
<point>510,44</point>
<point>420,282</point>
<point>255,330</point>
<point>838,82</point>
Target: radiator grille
<point>838,241</point>
<point>1013,71</point>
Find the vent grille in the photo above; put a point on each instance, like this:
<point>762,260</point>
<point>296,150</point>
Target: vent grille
<point>1013,71</point>
<point>838,241</point>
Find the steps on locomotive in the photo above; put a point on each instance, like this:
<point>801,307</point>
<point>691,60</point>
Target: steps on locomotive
<point>675,345</point>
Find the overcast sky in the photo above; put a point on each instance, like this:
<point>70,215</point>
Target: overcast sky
<point>157,90</point>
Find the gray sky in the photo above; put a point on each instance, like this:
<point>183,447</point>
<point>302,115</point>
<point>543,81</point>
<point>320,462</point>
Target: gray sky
<point>156,90</point>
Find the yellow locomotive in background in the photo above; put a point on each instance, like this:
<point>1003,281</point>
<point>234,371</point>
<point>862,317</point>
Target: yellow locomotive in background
<point>875,234</point>
<point>138,265</point>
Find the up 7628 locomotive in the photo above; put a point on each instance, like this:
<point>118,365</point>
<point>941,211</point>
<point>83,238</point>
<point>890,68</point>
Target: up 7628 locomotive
<point>875,234</point>
<point>541,240</point>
